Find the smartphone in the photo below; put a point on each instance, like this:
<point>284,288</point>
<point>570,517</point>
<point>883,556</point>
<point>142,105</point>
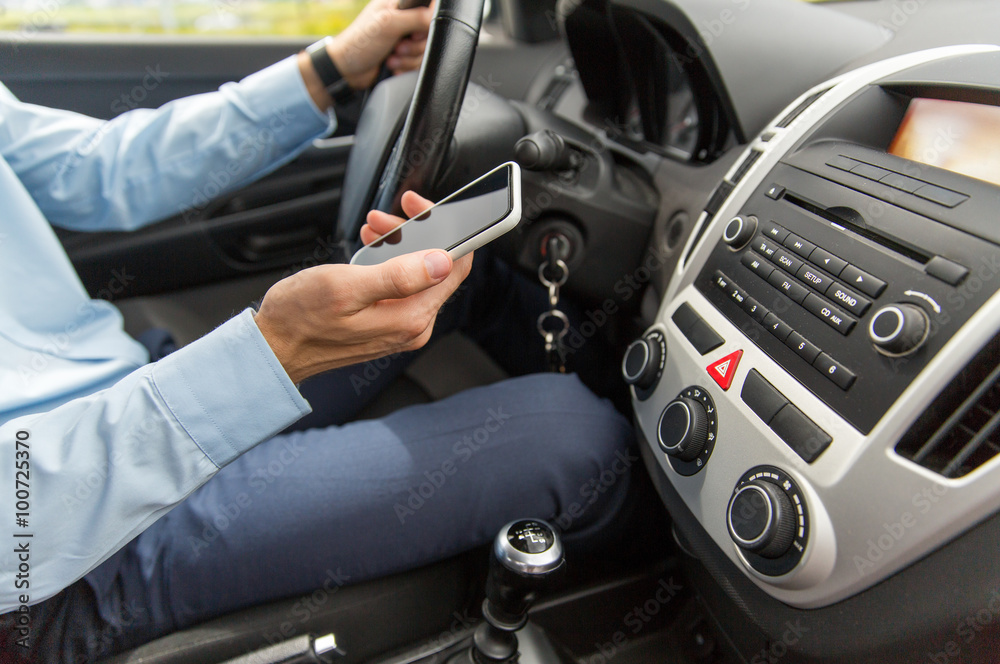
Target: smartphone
<point>410,4</point>
<point>478,213</point>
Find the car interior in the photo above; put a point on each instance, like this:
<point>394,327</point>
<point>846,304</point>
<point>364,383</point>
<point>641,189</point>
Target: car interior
<point>781,216</point>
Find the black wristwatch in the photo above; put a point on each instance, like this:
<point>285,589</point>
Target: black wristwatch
<point>341,92</point>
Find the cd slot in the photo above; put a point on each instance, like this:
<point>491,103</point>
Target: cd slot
<point>851,220</point>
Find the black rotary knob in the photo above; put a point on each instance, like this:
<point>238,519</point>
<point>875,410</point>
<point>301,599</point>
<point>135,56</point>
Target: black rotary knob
<point>683,428</point>
<point>642,361</point>
<point>761,519</point>
<point>739,231</point>
<point>898,329</point>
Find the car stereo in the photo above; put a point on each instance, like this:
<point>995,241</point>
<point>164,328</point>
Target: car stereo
<point>847,291</point>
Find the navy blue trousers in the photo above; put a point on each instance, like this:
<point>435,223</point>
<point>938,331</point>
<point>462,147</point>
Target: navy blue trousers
<point>370,498</point>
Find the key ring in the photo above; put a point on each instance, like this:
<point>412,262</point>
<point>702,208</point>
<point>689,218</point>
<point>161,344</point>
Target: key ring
<point>553,313</point>
<point>561,264</point>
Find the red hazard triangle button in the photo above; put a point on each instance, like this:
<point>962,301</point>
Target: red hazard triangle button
<point>722,371</point>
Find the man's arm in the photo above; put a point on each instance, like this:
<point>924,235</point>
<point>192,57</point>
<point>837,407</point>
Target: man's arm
<point>103,467</point>
<point>146,165</point>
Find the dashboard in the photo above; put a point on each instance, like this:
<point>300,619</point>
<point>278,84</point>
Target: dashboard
<point>820,315</point>
<point>816,387</point>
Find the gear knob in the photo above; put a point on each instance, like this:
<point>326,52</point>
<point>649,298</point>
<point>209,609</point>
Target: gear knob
<point>526,556</point>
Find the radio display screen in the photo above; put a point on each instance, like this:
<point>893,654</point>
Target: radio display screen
<point>953,135</point>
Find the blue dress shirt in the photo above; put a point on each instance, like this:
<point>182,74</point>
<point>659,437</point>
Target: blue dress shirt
<point>95,443</point>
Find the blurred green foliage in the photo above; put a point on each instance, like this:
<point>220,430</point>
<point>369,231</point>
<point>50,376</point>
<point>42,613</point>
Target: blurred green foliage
<point>215,17</point>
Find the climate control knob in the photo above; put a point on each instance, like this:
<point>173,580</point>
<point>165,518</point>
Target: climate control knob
<point>643,361</point>
<point>683,429</point>
<point>739,231</point>
<point>898,329</point>
<point>761,519</point>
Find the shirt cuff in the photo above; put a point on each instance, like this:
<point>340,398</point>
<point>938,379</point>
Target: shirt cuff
<point>228,390</point>
<point>278,95</point>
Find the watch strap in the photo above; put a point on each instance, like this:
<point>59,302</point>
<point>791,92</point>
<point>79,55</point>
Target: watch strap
<point>329,75</point>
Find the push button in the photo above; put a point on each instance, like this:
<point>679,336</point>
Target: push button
<point>763,247</point>
<point>940,195</point>
<point>722,371</point>
<point>787,261</point>
<point>862,281</point>
<point>802,347</point>
<point>703,337</point>
<point>777,327</point>
<point>698,332</point>
<point>827,261</point>
<point>736,294</point>
<point>787,286</point>
<point>842,163</point>
<point>801,433</point>
<point>833,316</point>
<point>813,278</point>
<point>761,396</point>
<point>947,271</point>
<point>853,302</point>
<point>870,172</point>
<point>773,231</point>
<point>901,182</point>
<point>756,310</point>
<point>835,371</point>
<point>684,317</point>
<point>756,263</point>
<point>798,245</point>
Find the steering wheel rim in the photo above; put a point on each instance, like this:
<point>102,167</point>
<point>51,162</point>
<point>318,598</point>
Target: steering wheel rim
<point>415,159</point>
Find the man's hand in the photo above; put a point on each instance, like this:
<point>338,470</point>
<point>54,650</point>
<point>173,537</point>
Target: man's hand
<point>379,223</point>
<point>331,316</point>
<point>381,31</point>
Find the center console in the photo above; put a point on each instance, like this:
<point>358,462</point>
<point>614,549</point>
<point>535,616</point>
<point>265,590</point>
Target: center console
<point>820,384</point>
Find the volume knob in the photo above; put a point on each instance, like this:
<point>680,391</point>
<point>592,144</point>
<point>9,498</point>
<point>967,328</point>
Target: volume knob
<point>739,231</point>
<point>898,329</point>
<point>683,428</point>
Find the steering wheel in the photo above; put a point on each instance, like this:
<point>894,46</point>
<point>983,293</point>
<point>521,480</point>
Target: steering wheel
<point>382,164</point>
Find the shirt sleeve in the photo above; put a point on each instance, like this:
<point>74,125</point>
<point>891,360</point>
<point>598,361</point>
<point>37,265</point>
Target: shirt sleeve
<point>145,165</point>
<point>85,478</point>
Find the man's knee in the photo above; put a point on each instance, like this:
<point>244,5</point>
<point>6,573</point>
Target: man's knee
<point>592,420</point>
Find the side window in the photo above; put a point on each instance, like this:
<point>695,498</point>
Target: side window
<point>237,18</point>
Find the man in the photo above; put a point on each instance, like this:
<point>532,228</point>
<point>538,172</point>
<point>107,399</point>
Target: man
<point>111,533</point>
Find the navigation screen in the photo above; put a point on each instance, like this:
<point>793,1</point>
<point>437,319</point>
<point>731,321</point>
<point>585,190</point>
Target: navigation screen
<point>953,135</point>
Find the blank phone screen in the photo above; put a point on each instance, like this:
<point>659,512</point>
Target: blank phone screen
<point>448,224</point>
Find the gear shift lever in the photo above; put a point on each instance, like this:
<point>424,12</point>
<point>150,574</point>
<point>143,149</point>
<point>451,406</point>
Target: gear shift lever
<point>525,557</point>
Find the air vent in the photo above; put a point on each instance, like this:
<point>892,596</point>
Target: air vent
<point>719,197</point>
<point>797,111</point>
<point>745,166</point>
<point>715,203</point>
<point>959,432</point>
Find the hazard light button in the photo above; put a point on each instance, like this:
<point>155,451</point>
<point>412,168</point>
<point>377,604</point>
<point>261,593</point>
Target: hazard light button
<point>723,370</point>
